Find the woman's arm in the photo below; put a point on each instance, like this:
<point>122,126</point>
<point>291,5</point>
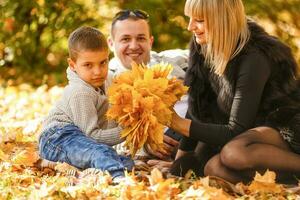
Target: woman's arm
<point>254,71</point>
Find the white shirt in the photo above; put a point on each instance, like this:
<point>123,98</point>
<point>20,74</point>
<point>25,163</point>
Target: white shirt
<point>176,57</point>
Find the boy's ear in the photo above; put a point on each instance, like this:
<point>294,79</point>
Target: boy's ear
<point>110,43</point>
<point>71,64</point>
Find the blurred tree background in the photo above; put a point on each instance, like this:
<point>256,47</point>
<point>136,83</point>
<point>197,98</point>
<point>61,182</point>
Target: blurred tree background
<point>33,36</point>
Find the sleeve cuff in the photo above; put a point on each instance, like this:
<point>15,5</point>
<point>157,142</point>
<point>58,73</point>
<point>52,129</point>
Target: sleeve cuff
<point>187,144</point>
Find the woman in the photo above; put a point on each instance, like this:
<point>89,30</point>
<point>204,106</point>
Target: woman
<point>244,96</point>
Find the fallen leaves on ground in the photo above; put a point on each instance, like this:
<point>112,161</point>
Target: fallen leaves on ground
<point>24,176</point>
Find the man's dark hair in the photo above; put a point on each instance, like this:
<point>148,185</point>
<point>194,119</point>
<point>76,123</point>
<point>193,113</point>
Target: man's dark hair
<point>130,14</point>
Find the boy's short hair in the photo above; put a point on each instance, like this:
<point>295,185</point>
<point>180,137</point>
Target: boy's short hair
<point>86,38</point>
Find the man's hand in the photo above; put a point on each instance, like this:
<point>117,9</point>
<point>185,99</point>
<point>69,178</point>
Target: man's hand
<point>170,145</point>
<point>170,141</point>
<point>163,166</point>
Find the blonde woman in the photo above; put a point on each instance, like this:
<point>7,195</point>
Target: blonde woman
<point>244,97</point>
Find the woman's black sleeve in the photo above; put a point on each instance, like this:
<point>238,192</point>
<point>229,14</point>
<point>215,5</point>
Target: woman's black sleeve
<point>254,71</point>
<point>187,143</point>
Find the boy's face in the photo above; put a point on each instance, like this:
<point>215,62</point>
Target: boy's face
<point>91,66</point>
<point>131,41</point>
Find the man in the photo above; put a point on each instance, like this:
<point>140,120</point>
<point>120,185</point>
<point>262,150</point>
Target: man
<point>131,40</point>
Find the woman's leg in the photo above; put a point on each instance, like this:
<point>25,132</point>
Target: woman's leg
<point>255,150</point>
<point>195,160</point>
<point>187,162</point>
<point>214,167</point>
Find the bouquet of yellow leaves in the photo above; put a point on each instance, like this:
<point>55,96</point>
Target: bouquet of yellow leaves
<point>142,101</point>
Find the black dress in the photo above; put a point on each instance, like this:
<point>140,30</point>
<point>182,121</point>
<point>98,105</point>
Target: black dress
<point>259,88</point>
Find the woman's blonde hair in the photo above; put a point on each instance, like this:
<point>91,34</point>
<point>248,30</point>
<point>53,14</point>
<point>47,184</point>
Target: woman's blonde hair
<point>226,26</point>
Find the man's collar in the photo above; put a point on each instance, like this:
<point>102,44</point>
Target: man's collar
<point>116,66</point>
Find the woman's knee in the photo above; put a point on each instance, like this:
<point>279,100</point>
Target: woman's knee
<point>234,155</point>
<point>213,166</point>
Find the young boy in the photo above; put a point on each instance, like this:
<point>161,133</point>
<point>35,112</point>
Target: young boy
<point>75,131</point>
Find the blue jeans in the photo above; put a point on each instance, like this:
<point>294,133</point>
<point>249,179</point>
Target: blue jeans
<point>69,144</point>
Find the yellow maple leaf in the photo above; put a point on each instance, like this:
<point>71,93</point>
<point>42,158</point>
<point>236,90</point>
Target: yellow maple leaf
<point>155,177</point>
<point>267,177</point>
<point>141,102</point>
<point>265,183</point>
<point>26,157</point>
<point>3,156</point>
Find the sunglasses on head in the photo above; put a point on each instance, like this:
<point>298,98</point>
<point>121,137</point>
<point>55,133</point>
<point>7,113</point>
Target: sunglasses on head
<point>124,14</point>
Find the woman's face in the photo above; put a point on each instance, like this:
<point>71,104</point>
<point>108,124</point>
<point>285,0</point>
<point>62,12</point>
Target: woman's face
<point>197,27</point>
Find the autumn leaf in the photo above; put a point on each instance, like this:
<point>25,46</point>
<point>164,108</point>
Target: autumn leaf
<point>267,177</point>
<point>141,102</point>
<point>22,109</point>
<point>201,189</point>
<point>265,183</point>
<point>155,177</point>
<point>26,157</point>
<point>3,156</point>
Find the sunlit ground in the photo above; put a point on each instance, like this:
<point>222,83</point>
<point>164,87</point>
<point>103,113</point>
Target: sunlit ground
<point>22,109</point>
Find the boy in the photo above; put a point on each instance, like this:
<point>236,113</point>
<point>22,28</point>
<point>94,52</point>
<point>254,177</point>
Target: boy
<point>75,130</point>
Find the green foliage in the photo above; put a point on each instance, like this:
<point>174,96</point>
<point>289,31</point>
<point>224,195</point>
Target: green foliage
<point>279,17</point>
<point>33,34</point>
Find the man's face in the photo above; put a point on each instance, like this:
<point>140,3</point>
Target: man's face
<point>131,41</point>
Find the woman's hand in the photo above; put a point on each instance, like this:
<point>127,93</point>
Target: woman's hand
<point>180,125</point>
